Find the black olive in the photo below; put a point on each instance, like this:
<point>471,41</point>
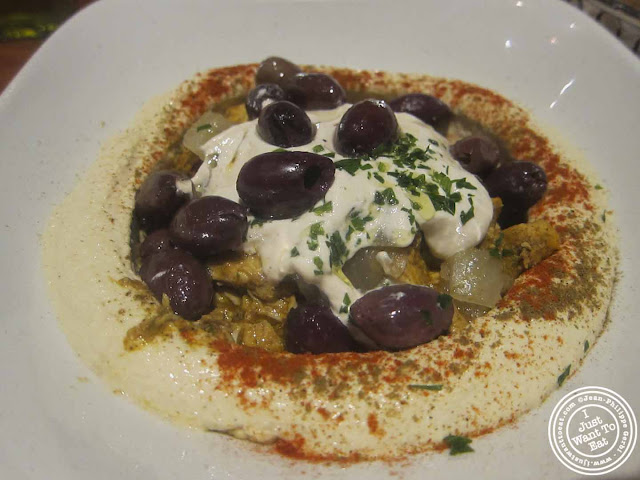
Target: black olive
<point>158,198</point>
<point>184,280</point>
<point>429,109</point>
<point>209,225</point>
<point>477,154</point>
<point>285,125</point>
<point>520,185</point>
<point>402,316</point>
<point>313,328</point>
<point>155,242</point>
<point>280,185</point>
<point>365,126</point>
<point>315,91</point>
<point>267,92</point>
<point>276,70</point>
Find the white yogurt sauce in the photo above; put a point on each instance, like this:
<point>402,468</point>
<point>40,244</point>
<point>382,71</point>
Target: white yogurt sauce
<point>365,206</point>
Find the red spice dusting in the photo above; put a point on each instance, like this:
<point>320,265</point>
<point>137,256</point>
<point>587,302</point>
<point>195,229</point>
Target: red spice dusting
<point>323,411</point>
<point>531,288</point>
<point>372,422</point>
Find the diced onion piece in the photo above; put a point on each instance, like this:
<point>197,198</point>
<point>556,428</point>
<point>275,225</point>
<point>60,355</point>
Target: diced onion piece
<point>363,269</point>
<point>205,128</point>
<point>474,276</point>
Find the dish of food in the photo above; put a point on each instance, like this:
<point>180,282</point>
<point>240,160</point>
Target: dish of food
<point>237,448</point>
<point>330,276</point>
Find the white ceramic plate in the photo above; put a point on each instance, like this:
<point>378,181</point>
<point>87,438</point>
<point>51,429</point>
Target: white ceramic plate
<point>57,421</point>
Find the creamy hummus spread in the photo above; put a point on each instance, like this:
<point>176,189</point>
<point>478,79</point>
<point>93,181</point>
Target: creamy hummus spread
<point>350,405</point>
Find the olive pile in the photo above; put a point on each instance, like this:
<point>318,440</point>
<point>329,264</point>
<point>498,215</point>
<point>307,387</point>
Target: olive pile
<point>182,231</point>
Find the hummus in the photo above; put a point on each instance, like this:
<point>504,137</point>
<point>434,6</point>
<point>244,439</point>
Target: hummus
<point>336,406</point>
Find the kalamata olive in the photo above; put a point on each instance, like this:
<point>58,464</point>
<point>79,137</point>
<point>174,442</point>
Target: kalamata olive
<point>265,93</point>
<point>182,278</point>
<point>155,242</point>
<point>276,70</point>
<point>158,198</point>
<point>315,91</point>
<point>429,109</point>
<point>520,185</point>
<point>477,154</point>
<point>209,225</point>
<point>285,124</point>
<point>402,316</point>
<point>366,125</point>
<point>284,184</point>
<point>313,328</point>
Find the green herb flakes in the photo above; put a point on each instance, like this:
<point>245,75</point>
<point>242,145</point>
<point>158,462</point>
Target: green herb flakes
<point>586,345</point>
<point>317,261</point>
<point>338,251</point>
<point>563,376</point>
<point>466,216</point>
<point>316,229</point>
<point>387,196</point>
<point>349,165</point>
<point>295,252</point>
<point>324,208</point>
<point>458,444</point>
<point>318,148</point>
<point>206,126</point>
<point>431,388</point>
<point>346,302</point>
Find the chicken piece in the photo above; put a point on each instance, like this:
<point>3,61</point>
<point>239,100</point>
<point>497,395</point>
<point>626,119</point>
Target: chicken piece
<point>260,335</point>
<point>525,245</point>
<point>244,271</point>
<point>494,229</point>
<point>236,113</point>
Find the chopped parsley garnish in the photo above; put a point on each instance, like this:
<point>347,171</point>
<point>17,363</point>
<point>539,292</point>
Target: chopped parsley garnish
<point>586,345</point>
<point>604,216</point>
<point>378,177</point>
<point>598,186</point>
<point>444,181</point>
<point>316,230</point>
<point>324,208</point>
<point>462,183</point>
<point>346,301</point>
<point>426,314</point>
<point>205,126</point>
<point>317,261</point>
<point>318,148</point>
<point>444,301</point>
<point>563,376</point>
<point>387,196</point>
<point>466,216</point>
<point>329,154</point>
<point>338,251</point>
<point>432,388</point>
<point>458,444</point>
<point>256,222</point>
<point>295,252</point>
<point>499,252</point>
<point>280,150</point>
<point>349,165</point>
